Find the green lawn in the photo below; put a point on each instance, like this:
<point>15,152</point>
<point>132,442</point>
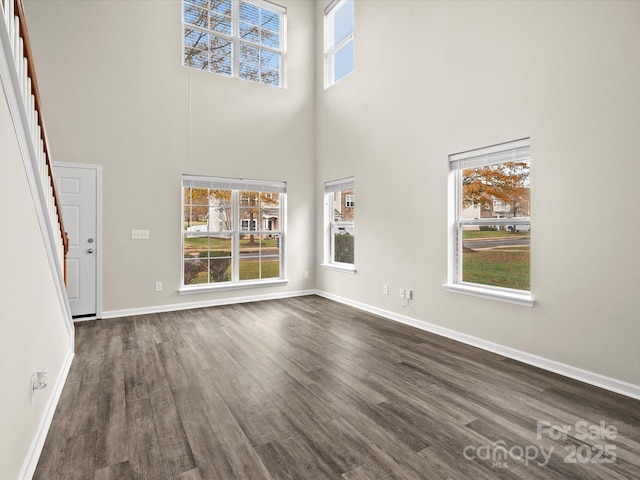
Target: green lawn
<point>221,243</point>
<point>501,268</point>
<point>249,270</point>
<point>195,245</point>
<point>492,233</point>
<point>225,244</point>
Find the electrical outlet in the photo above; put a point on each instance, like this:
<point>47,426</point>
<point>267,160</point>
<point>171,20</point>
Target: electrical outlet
<point>406,294</point>
<point>385,289</point>
<point>158,286</point>
<point>140,234</point>
<point>38,382</point>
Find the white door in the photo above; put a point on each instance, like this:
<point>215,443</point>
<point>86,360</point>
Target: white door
<point>77,191</point>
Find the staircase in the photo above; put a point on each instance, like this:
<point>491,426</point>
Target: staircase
<point>21,90</point>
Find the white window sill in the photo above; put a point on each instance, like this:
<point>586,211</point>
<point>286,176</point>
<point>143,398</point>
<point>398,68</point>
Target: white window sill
<point>340,267</point>
<point>231,286</point>
<point>493,294</point>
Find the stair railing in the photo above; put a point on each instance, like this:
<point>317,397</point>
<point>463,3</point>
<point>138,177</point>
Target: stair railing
<point>19,47</point>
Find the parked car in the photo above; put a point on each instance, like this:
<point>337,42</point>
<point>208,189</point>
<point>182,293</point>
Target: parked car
<point>518,228</point>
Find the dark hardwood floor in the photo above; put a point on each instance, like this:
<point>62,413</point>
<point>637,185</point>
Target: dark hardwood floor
<point>306,388</point>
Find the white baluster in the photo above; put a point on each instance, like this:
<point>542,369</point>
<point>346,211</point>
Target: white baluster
<point>38,148</point>
<point>43,164</point>
<point>20,60</point>
<point>25,79</point>
<point>29,103</point>
<point>36,127</point>
<point>32,106</point>
<point>16,40</point>
<point>8,19</point>
<point>50,190</point>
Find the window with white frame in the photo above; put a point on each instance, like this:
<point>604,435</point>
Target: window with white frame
<point>248,224</point>
<point>237,38</point>
<point>221,240</point>
<point>350,201</point>
<point>340,223</point>
<point>490,248</point>
<point>338,41</point>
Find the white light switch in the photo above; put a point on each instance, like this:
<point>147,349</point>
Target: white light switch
<point>140,234</point>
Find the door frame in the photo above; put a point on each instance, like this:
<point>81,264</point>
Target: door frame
<point>98,239</point>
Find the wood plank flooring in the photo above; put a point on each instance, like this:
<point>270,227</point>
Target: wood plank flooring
<point>306,388</point>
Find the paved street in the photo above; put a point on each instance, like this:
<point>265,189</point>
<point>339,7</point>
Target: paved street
<point>476,243</point>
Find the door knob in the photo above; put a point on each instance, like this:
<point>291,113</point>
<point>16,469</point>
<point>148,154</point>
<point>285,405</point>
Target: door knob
<point>90,250</point>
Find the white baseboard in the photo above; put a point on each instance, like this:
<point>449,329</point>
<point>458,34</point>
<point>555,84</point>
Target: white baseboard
<point>204,303</point>
<point>33,455</point>
<point>608,383</point>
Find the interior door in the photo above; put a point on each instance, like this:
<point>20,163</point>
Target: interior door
<point>77,192</point>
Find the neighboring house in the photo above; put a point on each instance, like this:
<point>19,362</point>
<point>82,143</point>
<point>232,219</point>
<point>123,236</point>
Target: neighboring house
<point>469,213</point>
<point>264,218</point>
<point>501,209</point>
<point>344,203</point>
<point>498,209</point>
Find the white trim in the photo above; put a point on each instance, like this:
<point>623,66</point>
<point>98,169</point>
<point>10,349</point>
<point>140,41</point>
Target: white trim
<point>330,7</point>
<point>347,183</point>
<point>456,222</point>
<point>340,267</point>
<point>99,232</point>
<point>128,312</point>
<point>592,378</point>
<point>498,147</point>
<point>215,287</point>
<point>195,181</point>
<point>35,449</point>
<point>523,143</point>
<point>268,5</point>
<point>232,183</point>
<point>330,189</point>
<point>236,41</point>
<point>330,48</point>
<point>11,86</point>
<point>492,293</point>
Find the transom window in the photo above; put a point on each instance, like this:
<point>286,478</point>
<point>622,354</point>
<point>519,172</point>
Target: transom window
<point>340,223</point>
<point>232,231</point>
<point>338,41</point>
<point>237,38</point>
<point>491,245</point>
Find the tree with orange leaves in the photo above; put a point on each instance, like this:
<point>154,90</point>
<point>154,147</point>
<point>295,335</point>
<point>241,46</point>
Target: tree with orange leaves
<point>508,182</point>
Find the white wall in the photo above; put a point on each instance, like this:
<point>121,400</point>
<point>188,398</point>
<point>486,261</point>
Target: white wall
<point>34,336</point>
<point>436,78</point>
<point>115,93</point>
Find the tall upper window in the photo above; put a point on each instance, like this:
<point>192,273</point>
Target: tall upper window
<point>237,38</point>
<point>490,246</point>
<point>340,223</point>
<point>338,41</point>
<point>232,231</point>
